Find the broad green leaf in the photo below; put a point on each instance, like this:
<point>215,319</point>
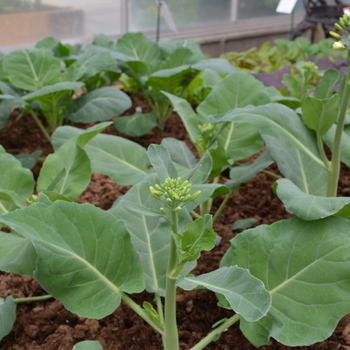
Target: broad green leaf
<point>17,254</point>
<point>124,161</point>
<point>168,47</point>
<point>100,105</point>
<point>14,178</point>
<point>11,197</point>
<point>245,294</point>
<point>307,206</point>
<point>218,65</point>
<point>345,143</point>
<point>150,235</point>
<point>31,69</point>
<point>68,171</point>
<point>289,141</point>
<point>243,173</point>
<point>7,316</point>
<point>136,125</point>
<point>88,345</point>
<point>180,57</point>
<point>187,115</point>
<point>170,79</point>
<point>51,90</point>
<point>85,258</point>
<point>179,152</point>
<point>237,90</point>
<point>47,43</point>
<point>320,115</point>
<point>29,160</point>
<point>136,45</point>
<point>159,157</point>
<point>5,111</point>
<point>243,224</point>
<point>95,61</point>
<point>103,40</point>
<point>198,236</point>
<point>305,267</point>
<point>153,314</point>
<point>329,79</point>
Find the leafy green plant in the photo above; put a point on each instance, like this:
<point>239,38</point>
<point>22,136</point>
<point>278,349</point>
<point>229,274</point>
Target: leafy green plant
<point>45,84</point>
<point>150,69</point>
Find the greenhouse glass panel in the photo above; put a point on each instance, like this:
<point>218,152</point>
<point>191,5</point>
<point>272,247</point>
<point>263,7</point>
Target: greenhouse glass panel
<point>24,22</point>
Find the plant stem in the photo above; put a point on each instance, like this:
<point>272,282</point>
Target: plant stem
<point>217,331</point>
<point>141,312</point>
<point>222,206</point>
<point>40,125</point>
<point>195,215</point>
<point>334,170</point>
<point>271,174</point>
<point>30,299</point>
<point>171,333</point>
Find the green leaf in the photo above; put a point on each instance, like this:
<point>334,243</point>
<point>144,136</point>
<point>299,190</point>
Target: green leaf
<point>305,267</point>
<point>150,235</point>
<point>170,79</point>
<point>88,345</point>
<point>289,141</point>
<point>243,224</point>
<point>17,254</point>
<point>124,161</point>
<point>100,105</point>
<point>153,314</point>
<point>237,90</point>
<point>85,258</point>
<point>161,161</point>
<point>42,93</point>
<point>329,79</point>
<point>306,206</point>
<point>32,69</point>
<point>245,294</point>
<point>243,173</point>
<point>179,152</point>
<point>136,125</point>
<point>7,316</point>
<point>187,115</point>
<point>218,65</point>
<point>68,171</point>
<point>320,115</point>
<point>198,236</point>
<point>15,181</point>
<point>29,160</point>
<point>136,45</point>
<point>95,61</point>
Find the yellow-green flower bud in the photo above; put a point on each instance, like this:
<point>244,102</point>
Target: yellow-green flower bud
<point>342,21</point>
<point>154,193</point>
<point>163,211</point>
<point>334,35</point>
<point>177,209</point>
<point>338,45</point>
<point>339,27</point>
<point>195,195</point>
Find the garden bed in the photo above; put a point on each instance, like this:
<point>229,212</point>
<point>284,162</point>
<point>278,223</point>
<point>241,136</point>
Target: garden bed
<point>47,325</point>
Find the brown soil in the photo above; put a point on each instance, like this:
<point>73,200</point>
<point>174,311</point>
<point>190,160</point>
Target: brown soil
<point>48,326</point>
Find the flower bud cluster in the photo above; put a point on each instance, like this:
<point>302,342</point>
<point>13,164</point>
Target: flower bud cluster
<point>173,193</point>
<point>344,24</point>
<point>205,140</point>
<point>310,70</point>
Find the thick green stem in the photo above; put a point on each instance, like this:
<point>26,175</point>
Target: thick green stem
<point>222,206</point>
<point>141,312</point>
<point>205,207</point>
<point>31,299</point>
<point>171,332</point>
<point>40,125</point>
<point>217,331</point>
<point>333,174</point>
